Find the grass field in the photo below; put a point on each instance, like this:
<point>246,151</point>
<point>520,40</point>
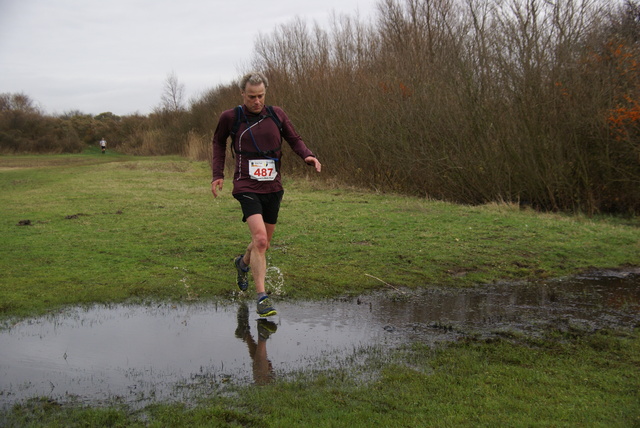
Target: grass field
<point>112,228</point>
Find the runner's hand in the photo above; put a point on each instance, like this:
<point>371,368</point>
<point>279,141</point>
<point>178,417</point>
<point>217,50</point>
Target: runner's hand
<point>310,160</point>
<point>216,185</point>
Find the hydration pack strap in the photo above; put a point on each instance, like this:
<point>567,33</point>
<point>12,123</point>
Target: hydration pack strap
<point>236,125</point>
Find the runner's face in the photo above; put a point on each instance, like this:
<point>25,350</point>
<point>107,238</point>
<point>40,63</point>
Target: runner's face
<point>253,97</point>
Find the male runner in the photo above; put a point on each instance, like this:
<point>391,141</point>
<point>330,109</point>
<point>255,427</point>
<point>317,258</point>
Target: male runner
<point>257,183</point>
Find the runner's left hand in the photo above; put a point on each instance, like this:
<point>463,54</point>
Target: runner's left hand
<point>310,160</point>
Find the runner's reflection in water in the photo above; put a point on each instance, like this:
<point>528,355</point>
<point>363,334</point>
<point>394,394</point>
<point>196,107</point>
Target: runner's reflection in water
<point>262,369</point>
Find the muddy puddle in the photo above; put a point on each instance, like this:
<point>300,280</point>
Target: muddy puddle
<point>143,354</point>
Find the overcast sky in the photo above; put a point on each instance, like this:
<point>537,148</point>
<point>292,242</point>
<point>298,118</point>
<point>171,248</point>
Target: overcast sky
<point>97,56</point>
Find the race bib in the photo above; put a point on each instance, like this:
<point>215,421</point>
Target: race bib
<point>263,169</point>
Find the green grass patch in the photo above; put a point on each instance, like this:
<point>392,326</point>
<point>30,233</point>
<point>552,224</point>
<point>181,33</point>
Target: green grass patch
<point>115,228</point>
<point>112,228</point>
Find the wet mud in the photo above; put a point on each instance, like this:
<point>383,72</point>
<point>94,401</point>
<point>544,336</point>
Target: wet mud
<point>139,355</point>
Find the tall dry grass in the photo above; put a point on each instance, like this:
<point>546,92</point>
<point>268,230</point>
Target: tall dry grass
<point>198,147</point>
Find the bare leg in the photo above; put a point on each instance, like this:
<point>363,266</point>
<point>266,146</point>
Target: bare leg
<point>255,256</point>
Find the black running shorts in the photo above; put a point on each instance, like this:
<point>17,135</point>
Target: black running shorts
<point>267,204</point>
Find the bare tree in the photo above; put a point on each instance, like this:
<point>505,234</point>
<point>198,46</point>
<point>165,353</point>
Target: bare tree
<point>18,102</point>
<point>173,94</point>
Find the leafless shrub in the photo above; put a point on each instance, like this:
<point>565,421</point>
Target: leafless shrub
<point>471,100</point>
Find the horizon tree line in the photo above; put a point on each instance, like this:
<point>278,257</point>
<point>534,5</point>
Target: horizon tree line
<point>534,102</point>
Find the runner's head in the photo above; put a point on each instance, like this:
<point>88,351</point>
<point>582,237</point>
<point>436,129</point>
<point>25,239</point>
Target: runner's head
<point>253,88</point>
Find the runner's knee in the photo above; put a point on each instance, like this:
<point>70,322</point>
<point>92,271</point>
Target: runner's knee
<point>261,242</point>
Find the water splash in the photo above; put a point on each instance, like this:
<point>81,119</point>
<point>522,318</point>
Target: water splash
<point>274,282</point>
<point>184,281</point>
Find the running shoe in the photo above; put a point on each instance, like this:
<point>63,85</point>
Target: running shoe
<point>266,328</point>
<point>243,276</point>
<point>264,307</point>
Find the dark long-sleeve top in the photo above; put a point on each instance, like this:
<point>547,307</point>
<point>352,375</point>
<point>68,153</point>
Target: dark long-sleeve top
<point>267,137</point>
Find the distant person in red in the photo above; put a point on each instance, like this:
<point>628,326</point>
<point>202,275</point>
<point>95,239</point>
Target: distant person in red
<point>103,145</point>
<point>257,131</point>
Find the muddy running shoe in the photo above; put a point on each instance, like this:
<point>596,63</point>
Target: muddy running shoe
<point>264,307</point>
<point>266,328</point>
<point>243,275</point>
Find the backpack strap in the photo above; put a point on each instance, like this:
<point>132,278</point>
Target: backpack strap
<point>236,125</point>
<point>274,116</point>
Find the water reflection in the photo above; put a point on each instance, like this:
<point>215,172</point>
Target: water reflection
<point>175,352</point>
<point>262,368</point>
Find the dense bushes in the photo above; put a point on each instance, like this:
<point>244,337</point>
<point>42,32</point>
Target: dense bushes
<point>472,101</point>
<point>23,129</point>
